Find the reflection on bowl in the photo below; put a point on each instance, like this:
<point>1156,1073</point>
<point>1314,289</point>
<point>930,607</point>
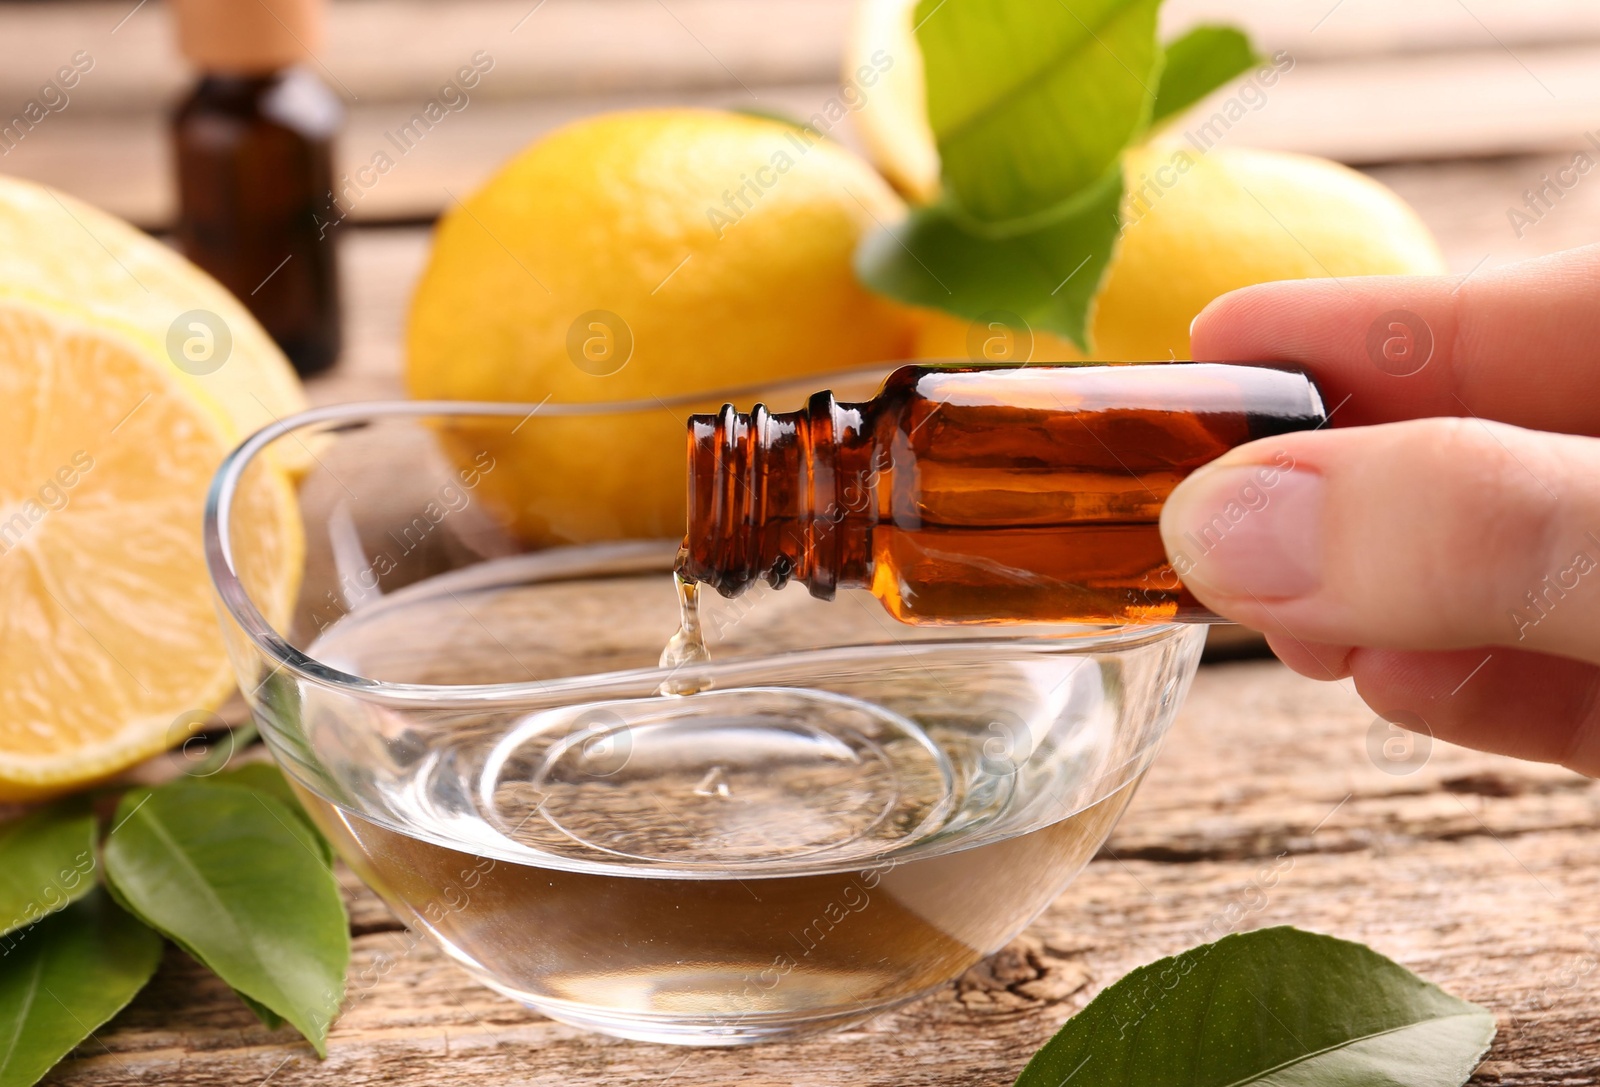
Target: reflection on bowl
<point>850,815</point>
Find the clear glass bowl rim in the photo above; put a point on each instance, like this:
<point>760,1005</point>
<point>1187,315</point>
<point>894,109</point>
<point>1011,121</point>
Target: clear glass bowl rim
<point>276,648</point>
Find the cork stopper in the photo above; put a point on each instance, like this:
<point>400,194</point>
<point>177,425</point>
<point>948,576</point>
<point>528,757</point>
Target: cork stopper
<point>248,37</point>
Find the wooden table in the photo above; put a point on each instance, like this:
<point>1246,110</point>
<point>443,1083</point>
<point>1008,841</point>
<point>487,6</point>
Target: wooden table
<point>1479,873</point>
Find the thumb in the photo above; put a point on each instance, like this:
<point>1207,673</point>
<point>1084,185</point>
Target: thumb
<point>1427,534</point>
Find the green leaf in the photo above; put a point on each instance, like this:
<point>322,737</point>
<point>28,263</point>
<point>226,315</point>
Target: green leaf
<point>270,1018</point>
<point>1278,1006</point>
<point>66,976</point>
<point>235,878</point>
<point>1200,62</point>
<point>263,777</point>
<point>1032,103</point>
<point>1047,275</point>
<point>46,862</point>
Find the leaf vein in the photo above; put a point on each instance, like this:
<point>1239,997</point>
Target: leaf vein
<point>158,828</point>
<point>1255,1077</point>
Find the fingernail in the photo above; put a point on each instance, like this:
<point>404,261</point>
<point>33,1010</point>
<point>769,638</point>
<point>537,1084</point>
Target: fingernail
<point>1246,530</point>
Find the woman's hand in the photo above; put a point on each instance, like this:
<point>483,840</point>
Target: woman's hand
<point>1446,551</point>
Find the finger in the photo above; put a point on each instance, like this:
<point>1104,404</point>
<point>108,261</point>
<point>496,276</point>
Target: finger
<point>1514,344</point>
<point>1314,660</point>
<point>1429,534</point>
<point>1526,705</point>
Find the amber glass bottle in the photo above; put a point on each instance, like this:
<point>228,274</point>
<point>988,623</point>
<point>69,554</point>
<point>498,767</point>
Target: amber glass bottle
<point>254,152</point>
<point>978,494</point>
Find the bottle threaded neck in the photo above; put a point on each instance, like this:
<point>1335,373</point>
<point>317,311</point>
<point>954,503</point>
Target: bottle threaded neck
<point>771,499</point>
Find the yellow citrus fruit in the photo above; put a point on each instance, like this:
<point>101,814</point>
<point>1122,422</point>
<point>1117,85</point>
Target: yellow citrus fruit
<point>639,256</point>
<point>56,248</point>
<point>109,649</point>
<point>892,120</point>
<point>946,336</point>
<point>1199,225</point>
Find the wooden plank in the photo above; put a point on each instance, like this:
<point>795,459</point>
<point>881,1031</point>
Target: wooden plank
<point>402,49</point>
<point>121,162</point>
<point>1321,29</point>
<point>378,272</point>
<point>1403,107</point>
<point>1469,206</point>
<point>1368,111</point>
<point>1501,905</point>
<point>1437,81</point>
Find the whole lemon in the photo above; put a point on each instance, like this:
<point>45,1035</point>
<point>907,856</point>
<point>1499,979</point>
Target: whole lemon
<point>1196,226</point>
<point>636,257</point>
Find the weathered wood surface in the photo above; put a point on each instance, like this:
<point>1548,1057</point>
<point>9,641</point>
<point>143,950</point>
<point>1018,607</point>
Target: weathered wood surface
<point>1480,873</point>
<point>397,50</point>
<point>1372,82</point>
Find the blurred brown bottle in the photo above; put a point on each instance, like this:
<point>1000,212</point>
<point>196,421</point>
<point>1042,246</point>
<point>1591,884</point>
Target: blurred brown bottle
<point>254,144</point>
<point>981,494</point>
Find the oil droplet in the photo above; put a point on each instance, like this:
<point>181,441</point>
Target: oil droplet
<point>687,648</point>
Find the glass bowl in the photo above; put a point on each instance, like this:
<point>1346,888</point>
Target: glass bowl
<point>467,696</point>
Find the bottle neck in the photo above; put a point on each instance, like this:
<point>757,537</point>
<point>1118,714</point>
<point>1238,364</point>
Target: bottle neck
<point>237,95</point>
<point>782,497</point>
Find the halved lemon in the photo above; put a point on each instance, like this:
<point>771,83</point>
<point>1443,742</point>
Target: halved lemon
<point>53,247</point>
<point>108,638</point>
